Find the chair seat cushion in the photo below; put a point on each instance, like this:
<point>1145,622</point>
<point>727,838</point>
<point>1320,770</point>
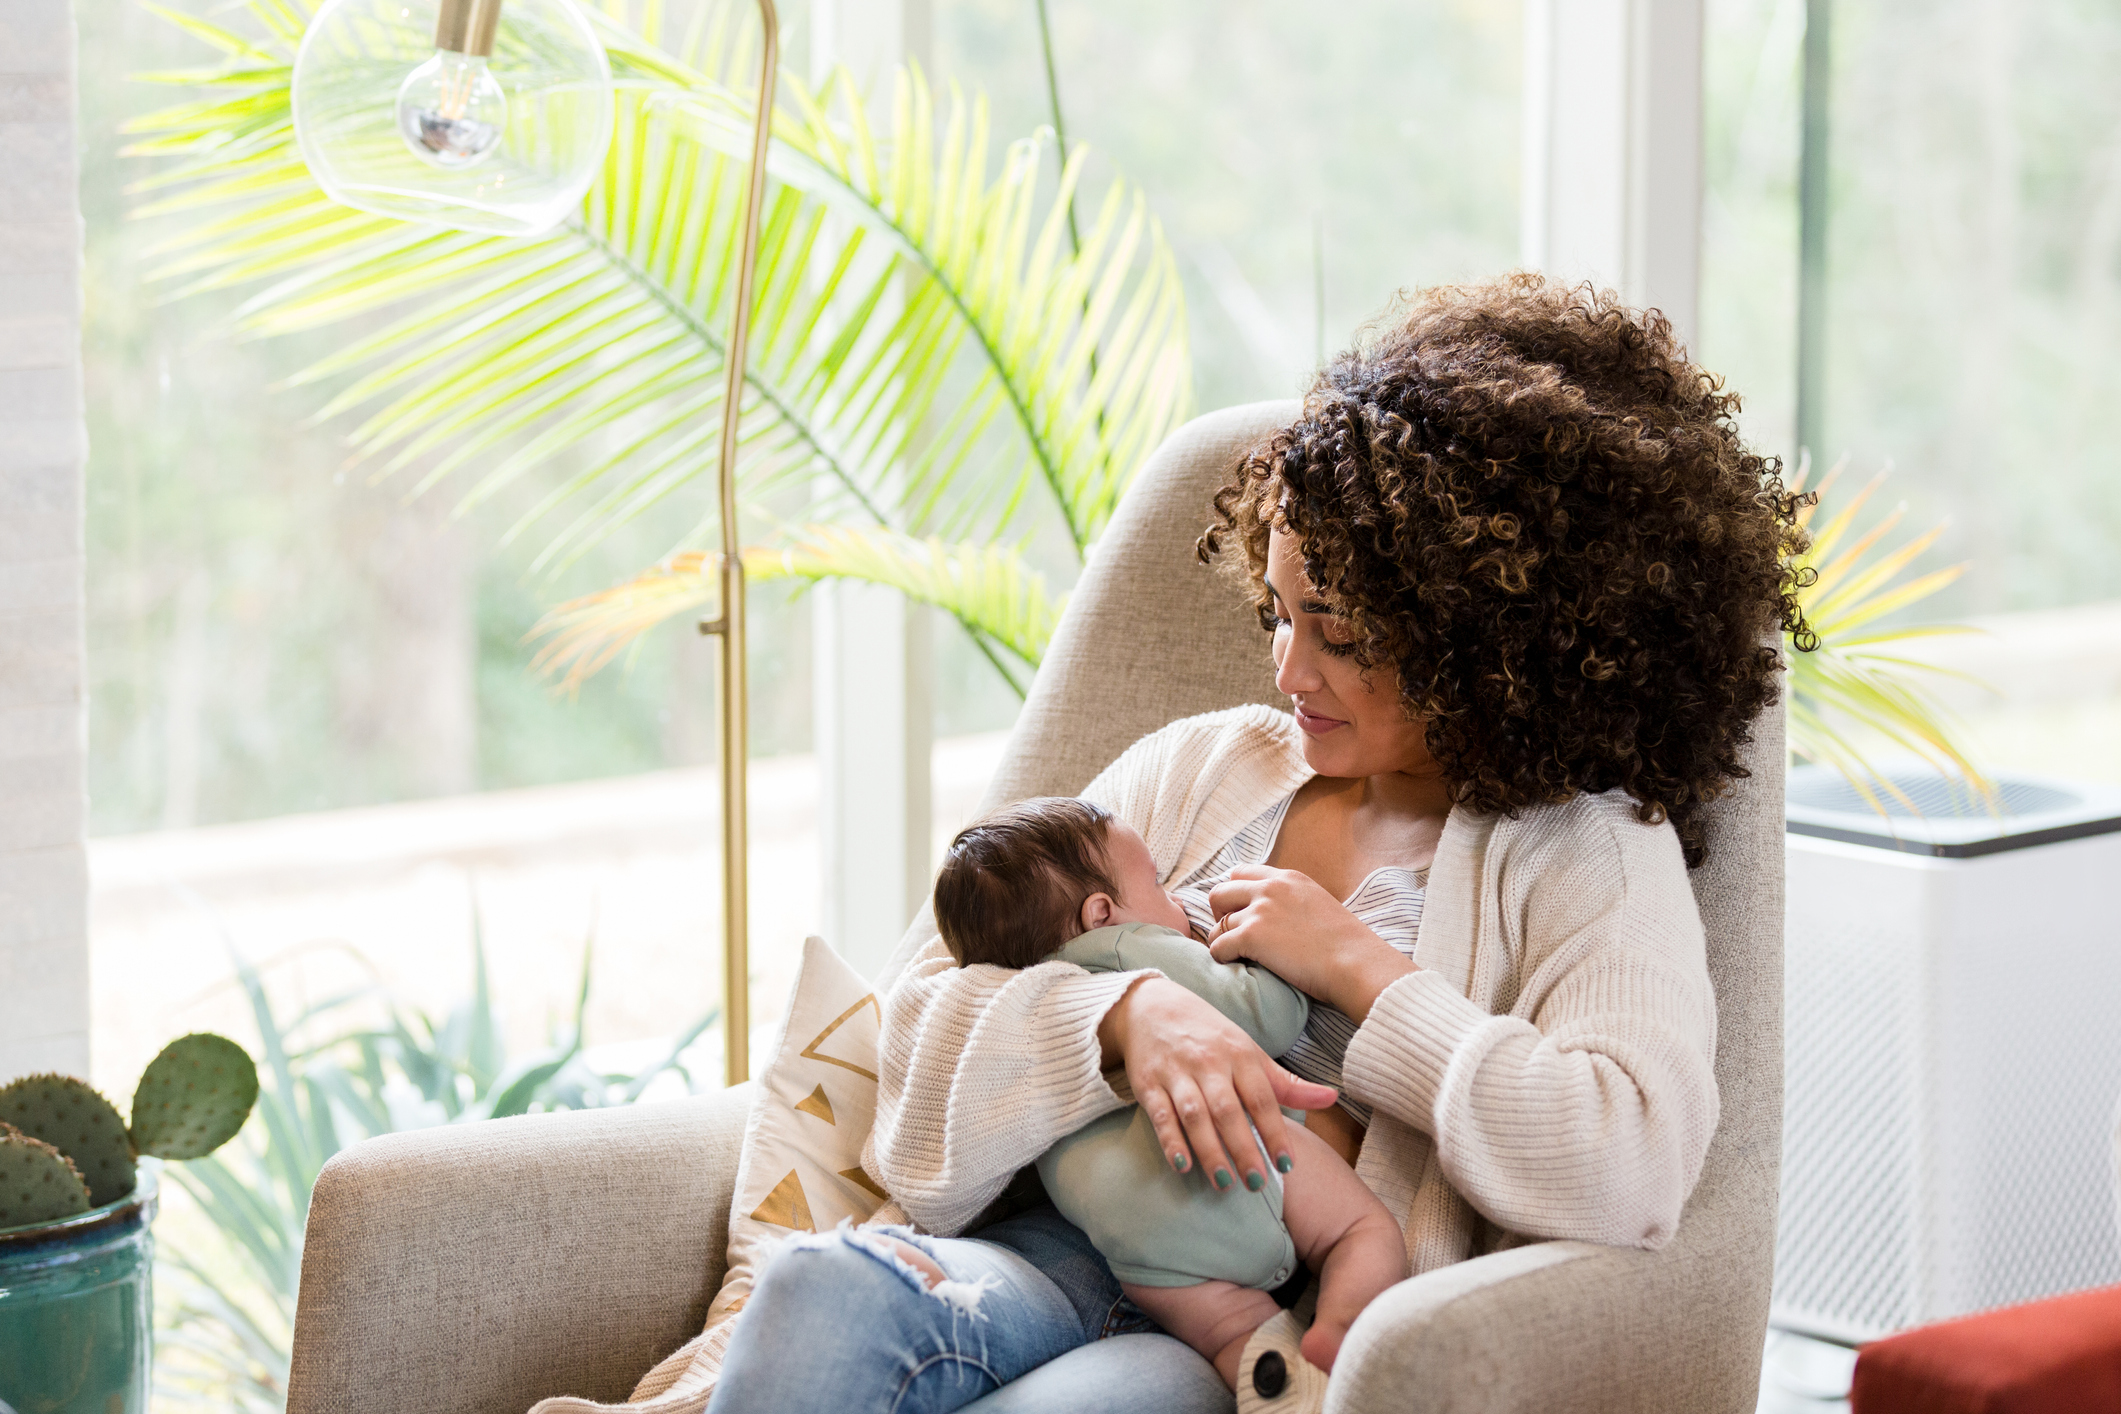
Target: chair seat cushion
<point>2059,1356</point>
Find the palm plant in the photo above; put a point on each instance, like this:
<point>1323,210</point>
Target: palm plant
<point>1853,681</point>
<point>942,364</point>
<point>225,1333</point>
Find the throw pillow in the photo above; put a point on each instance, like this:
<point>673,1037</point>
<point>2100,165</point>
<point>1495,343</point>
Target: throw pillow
<point>811,1111</point>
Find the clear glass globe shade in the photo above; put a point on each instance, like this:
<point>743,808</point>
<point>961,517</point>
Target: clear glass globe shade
<point>503,146</point>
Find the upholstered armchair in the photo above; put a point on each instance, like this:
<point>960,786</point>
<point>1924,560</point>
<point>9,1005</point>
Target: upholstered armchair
<point>477,1269</point>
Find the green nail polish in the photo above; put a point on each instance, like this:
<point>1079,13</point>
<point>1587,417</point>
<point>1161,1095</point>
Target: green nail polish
<point>1284,1162</point>
<point>1181,1162</point>
<point>1255,1180</point>
<point>1222,1178</point>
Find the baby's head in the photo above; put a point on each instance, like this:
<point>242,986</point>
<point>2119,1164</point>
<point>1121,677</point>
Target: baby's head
<point>1019,884</point>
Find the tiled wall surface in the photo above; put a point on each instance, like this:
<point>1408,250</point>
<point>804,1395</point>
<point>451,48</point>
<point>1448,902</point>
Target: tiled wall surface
<point>43,873</point>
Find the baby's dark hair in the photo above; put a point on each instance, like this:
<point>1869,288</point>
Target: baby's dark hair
<point>1012,885</point>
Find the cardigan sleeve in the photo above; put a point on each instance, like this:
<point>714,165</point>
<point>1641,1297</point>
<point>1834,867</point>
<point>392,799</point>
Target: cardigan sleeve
<point>980,1070</point>
<point>1586,1111</point>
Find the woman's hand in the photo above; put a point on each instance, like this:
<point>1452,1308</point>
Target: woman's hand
<point>1285,922</point>
<point>1203,1082</point>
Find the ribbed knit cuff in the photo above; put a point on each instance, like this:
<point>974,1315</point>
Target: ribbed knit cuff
<point>1397,1060</point>
<point>1067,1024</point>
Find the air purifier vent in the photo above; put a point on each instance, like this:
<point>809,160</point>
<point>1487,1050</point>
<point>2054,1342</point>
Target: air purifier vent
<point>1952,1058</point>
<point>1931,796</point>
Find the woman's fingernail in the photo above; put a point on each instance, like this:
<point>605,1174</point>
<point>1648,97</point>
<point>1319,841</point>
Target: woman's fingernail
<point>1284,1162</point>
<point>1255,1180</point>
<point>1181,1162</point>
<point>1222,1178</point>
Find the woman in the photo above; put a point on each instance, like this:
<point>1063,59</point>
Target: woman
<point>1520,577</point>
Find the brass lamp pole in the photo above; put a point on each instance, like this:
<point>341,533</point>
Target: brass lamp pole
<point>728,626</point>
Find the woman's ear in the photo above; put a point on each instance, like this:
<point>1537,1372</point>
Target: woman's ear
<point>1097,911</point>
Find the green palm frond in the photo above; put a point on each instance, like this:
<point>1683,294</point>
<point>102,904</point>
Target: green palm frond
<point>1847,693</point>
<point>923,340</point>
<point>1000,601</point>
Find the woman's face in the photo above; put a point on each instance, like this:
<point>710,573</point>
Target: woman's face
<point>1351,728</point>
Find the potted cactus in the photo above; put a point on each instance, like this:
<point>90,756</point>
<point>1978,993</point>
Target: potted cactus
<point>77,1191</point>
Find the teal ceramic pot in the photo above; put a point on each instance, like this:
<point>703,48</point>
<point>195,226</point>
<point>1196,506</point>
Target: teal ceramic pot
<point>76,1315</point>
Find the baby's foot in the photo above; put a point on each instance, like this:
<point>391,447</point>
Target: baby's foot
<point>1321,1343</point>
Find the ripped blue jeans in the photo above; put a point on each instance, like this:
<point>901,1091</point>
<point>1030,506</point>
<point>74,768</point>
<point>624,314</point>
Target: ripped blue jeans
<point>1029,1321</point>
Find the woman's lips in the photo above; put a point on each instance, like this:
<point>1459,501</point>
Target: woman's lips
<point>1315,724</point>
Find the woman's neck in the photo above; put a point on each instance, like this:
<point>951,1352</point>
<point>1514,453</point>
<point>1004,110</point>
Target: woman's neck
<point>1404,794</point>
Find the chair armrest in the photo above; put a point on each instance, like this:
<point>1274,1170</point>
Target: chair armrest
<point>478,1268</point>
<point>1554,1325</point>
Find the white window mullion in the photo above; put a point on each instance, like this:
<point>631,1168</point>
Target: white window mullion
<point>872,651</point>
<point>1611,185</point>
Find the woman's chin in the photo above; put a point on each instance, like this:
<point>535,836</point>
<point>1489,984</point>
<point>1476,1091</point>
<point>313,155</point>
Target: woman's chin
<point>1329,754</point>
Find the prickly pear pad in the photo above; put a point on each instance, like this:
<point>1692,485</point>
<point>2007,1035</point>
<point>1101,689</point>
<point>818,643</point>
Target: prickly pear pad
<point>194,1097</point>
<point>70,1116</point>
<point>37,1184</point>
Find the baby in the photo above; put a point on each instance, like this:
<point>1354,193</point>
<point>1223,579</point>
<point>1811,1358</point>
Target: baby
<point>1057,879</point>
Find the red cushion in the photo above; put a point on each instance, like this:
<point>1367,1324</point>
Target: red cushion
<point>2059,1356</point>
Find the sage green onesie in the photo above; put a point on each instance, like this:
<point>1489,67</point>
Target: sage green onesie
<point>1110,1178</point>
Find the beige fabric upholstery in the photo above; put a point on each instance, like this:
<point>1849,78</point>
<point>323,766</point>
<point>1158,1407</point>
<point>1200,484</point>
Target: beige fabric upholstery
<point>481,1268</point>
<point>475,1269</point>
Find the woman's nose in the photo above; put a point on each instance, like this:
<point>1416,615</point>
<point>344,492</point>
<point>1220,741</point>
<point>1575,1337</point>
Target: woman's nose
<point>1295,668</point>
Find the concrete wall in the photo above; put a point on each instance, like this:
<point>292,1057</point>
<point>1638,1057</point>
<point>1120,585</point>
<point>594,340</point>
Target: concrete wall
<point>43,800</point>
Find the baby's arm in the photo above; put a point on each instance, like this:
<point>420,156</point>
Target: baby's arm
<point>1271,1011</point>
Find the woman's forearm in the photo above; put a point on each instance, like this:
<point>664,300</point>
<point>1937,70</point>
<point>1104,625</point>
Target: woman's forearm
<point>1590,1123</point>
<point>1366,978</point>
<point>981,1070</point>
<point>1112,1030</point>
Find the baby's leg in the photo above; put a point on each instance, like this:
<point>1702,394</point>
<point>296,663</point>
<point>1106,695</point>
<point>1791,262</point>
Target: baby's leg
<point>1214,1317</point>
<point>1343,1233</point>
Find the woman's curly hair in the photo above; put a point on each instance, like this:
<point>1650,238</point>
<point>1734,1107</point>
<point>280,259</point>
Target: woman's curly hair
<point>1524,500</point>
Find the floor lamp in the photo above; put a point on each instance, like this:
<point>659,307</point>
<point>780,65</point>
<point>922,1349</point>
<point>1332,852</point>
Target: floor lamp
<point>728,626</point>
<point>412,110</point>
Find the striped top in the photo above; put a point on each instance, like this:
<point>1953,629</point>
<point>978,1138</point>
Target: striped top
<point>1388,902</point>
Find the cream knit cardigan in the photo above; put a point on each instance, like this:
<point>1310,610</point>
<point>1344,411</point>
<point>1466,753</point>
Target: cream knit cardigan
<point>1547,1073</point>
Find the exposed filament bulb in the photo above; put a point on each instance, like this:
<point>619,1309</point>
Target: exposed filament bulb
<point>451,110</point>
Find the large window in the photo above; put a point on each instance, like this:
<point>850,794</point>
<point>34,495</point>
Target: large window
<point>1968,338</point>
<point>1304,168</point>
<point>280,628</point>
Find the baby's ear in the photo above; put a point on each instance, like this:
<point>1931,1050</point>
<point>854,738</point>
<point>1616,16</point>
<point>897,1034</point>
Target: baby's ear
<point>1097,911</point>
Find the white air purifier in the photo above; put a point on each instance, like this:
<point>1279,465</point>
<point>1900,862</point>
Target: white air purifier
<point>1953,1051</point>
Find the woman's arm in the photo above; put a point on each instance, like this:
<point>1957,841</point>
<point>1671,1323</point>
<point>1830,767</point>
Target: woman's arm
<point>1586,1111</point>
<point>980,1070</point>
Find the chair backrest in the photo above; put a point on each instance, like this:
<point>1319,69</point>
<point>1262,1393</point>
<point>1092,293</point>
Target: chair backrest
<point>1151,635</point>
